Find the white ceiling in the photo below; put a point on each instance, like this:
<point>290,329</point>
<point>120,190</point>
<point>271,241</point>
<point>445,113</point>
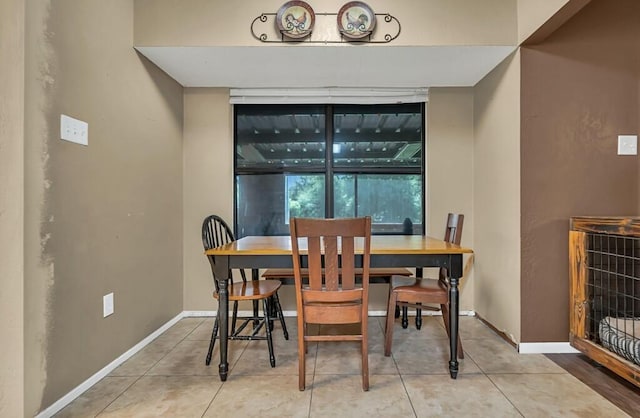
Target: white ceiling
<point>327,66</point>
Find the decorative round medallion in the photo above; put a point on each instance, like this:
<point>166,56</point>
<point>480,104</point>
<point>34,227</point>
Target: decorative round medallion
<point>356,20</point>
<point>295,19</point>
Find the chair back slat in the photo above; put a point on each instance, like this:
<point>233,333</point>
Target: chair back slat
<point>331,263</point>
<point>348,264</point>
<point>315,263</point>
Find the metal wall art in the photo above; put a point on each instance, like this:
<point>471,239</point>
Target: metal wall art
<point>355,22</point>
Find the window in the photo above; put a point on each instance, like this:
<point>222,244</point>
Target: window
<point>328,161</point>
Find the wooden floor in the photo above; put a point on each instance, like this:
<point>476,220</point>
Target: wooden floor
<point>618,391</point>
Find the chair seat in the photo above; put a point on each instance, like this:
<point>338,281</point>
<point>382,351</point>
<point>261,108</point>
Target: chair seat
<point>410,289</point>
<point>252,290</point>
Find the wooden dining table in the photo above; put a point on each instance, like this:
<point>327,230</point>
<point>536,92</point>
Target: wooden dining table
<point>260,252</point>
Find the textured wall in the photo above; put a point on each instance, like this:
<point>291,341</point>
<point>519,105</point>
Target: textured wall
<point>12,15</point>
<point>100,218</point>
<point>579,92</point>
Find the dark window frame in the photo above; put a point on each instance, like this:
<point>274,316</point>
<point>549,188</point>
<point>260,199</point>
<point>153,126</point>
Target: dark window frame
<point>329,171</point>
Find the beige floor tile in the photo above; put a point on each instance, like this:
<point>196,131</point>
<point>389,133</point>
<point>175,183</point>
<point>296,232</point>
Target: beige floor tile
<point>339,357</point>
<point>255,358</point>
<point>342,396</point>
<point>98,397</point>
<point>497,356</point>
<point>248,396</point>
<point>165,396</point>
<point>415,356</point>
<point>432,328</point>
<point>554,395</point>
<point>202,331</point>
<point>145,359</point>
<point>183,328</point>
<point>188,359</point>
<point>466,396</point>
<point>378,362</point>
<point>472,328</point>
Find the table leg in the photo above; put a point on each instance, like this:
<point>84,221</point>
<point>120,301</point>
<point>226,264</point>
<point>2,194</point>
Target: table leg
<point>222,275</point>
<point>453,325</point>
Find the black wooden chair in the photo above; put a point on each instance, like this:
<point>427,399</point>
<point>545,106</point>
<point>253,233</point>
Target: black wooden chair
<point>215,232</point>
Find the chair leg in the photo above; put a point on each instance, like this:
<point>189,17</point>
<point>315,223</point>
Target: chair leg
<point>256,314</point>
<point>365,355</point>
<point>397,312</point>
<point>214,334</point>
<point>276,301</point>
<point>272,315</point>
<point>302,348</point>
<point>388,330</point>
<point>267,318</point>
<point>418,317</point>
<point>445,318</point>
<point>405,317</point>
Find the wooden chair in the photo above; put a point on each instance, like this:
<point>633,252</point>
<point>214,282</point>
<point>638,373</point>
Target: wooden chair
<point>215,232</point>
<point>415,292</point>
<point>331,295</point>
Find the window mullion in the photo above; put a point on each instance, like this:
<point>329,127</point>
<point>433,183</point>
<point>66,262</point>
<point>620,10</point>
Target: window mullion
<point>329,132</point>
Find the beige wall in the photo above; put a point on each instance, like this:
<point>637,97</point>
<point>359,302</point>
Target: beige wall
<point>496,204</point>
<point>533,13</point>
<point>12,15</point>
<point>207,182</point>
<point>424,22</point>
<point>450,168</point>
<point>103,218</point>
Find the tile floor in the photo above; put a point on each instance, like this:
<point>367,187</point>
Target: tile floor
<point>169,378</point>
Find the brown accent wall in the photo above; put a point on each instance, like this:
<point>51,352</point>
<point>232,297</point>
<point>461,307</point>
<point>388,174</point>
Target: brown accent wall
<point>579,92</point>
<point>101,218</point>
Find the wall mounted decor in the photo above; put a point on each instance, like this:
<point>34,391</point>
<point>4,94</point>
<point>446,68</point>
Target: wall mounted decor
<point>295,19</point>
<point>356,20</point>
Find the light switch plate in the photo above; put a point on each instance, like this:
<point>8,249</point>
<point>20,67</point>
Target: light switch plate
<point>74,130</point>
<point>107,305</point>
<point>627,144</point>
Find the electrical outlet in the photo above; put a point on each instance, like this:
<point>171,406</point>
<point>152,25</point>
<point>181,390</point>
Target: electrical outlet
<point>107,305</point>
<point>627,144</point>
<point>74,130</point>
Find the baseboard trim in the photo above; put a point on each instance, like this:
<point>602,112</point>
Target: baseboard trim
<point>546,348</point>
<point>84,386</point>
